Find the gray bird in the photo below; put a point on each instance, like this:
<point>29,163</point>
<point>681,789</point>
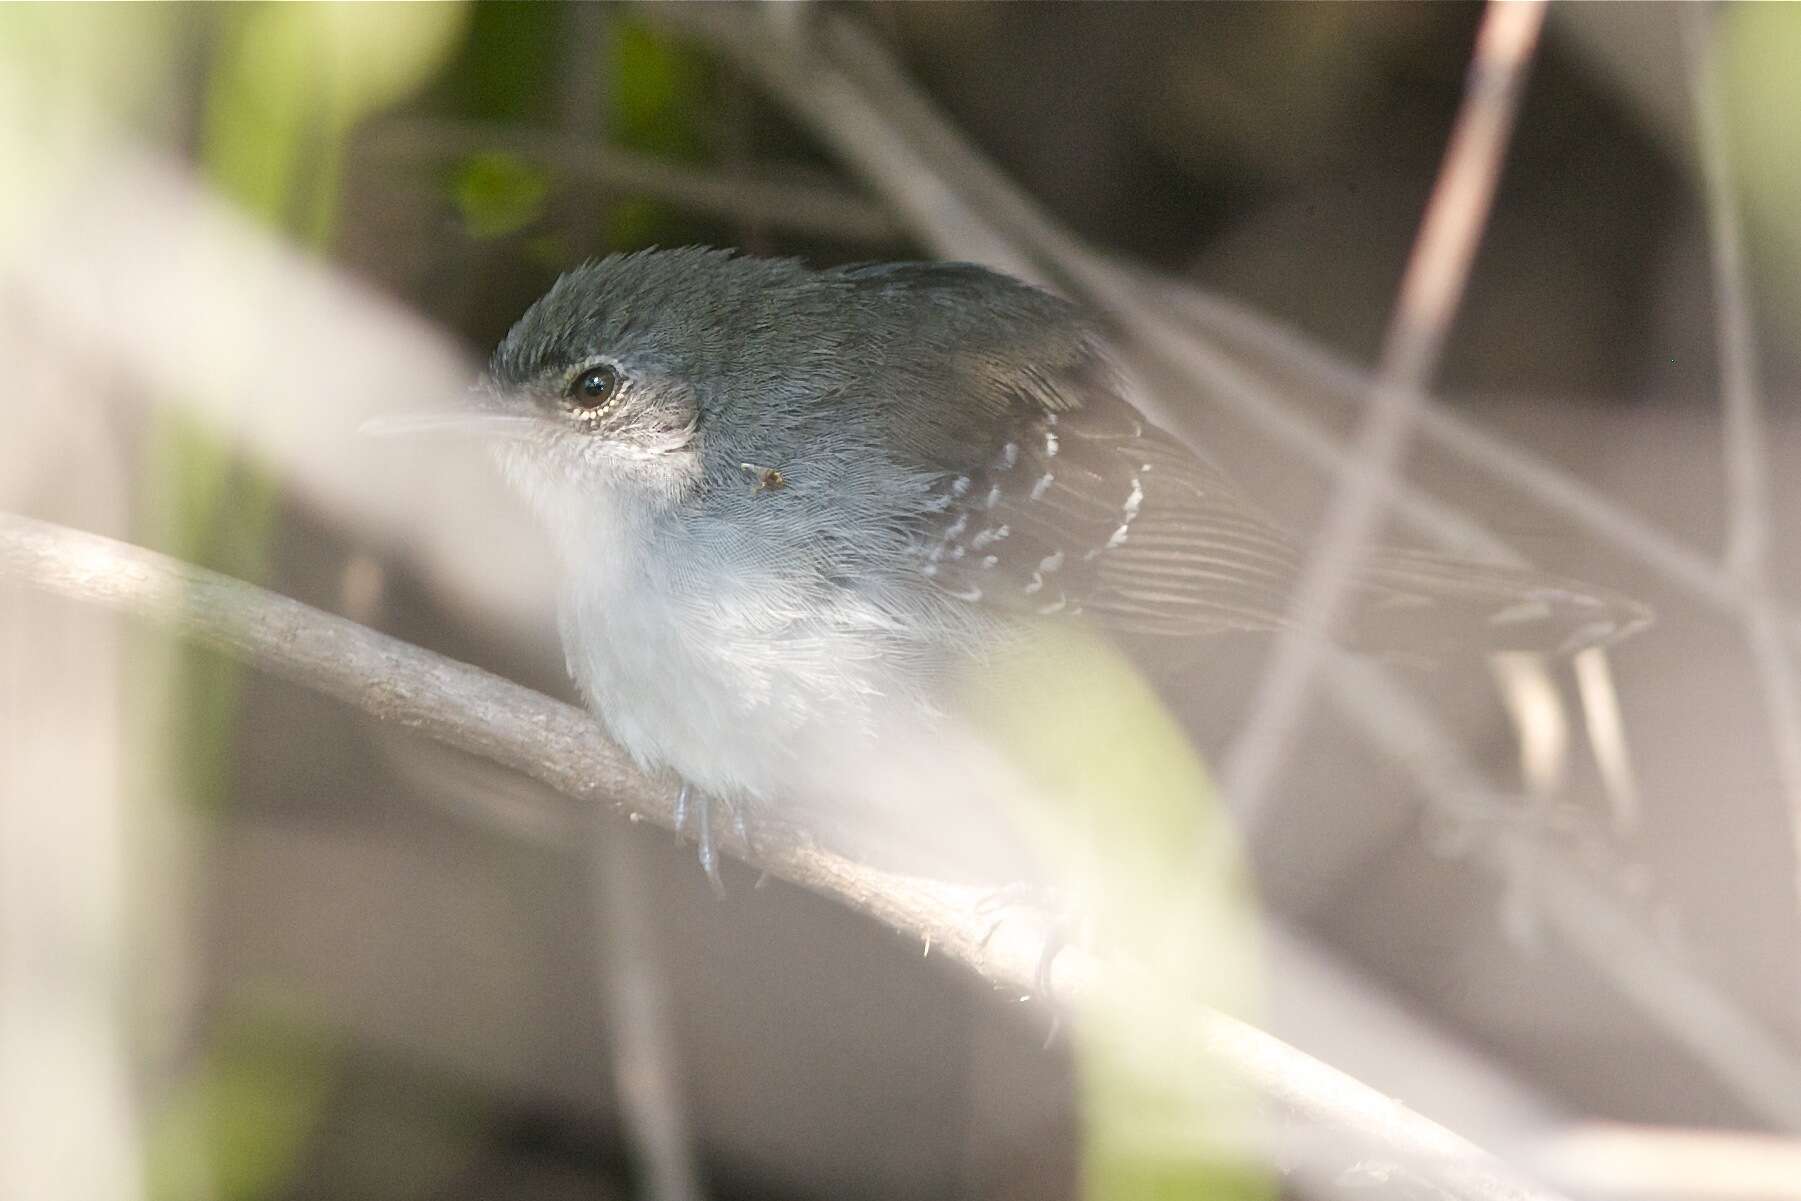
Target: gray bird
<point>789,501</point>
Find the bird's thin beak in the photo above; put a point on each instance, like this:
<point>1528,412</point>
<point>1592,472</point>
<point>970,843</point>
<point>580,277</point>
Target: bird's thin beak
<point>451,421</point>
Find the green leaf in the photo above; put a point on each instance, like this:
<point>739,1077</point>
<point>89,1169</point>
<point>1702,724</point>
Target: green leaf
<point>497,194</point>
<point>1122,810</point>
<point>243,1119</point>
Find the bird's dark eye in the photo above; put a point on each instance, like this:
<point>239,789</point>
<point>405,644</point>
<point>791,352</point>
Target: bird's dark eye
<point>593,388</point>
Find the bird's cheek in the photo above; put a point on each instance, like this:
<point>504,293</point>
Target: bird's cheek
<point>676,409</point>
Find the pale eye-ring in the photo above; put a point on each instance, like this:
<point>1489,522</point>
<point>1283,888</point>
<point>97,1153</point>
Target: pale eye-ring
<point>593,388</point>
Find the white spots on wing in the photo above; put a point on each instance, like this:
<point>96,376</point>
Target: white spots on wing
<point>1050,444</point>
<point>1055,606</point>
<point>991,534</point>
<point>960,485</point>
<point>951,533</point>
<point>1009,455</point>
<point>990,560</point>
<point>994,497</point>
<point>1048,565</point>
<point>968,594</point>
<point>1133,500</point>
<point>1042,486</point>
<point>930,569</point>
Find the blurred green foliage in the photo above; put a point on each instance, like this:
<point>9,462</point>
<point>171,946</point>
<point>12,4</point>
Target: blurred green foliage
<point>77,73</point>
<point>658,95</point>
<point>504,68</point>
<point>286,85</point>
<point>242,1118</point>
<point>1759,47</point>
<point>659,92</point>
<point>1123,811</point>
<point>499,194</point>
<point>284,88</point>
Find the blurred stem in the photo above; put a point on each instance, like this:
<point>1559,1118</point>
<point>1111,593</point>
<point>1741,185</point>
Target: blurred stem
<point>1431,287</point>
<point>263,127</point>
<point>635,991</point>
<point>1749,532</point>
<point>283,90</point>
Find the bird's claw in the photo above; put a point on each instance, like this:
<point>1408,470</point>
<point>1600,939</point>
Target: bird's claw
<point>697,807</point>
<point>1048,908</point>
<point>709,853</point>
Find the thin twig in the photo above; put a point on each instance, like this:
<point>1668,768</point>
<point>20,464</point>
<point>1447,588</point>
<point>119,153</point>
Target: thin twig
<point>1430,291</point>
<point>1747,488</point>
<point>645,1079</point>
<point>818,210</point>
<point>559,745</point>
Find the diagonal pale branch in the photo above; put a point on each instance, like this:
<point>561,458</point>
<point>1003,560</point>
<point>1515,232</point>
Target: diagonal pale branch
<point>561,746</point>
<point>1431,288</point>
<point>1748,492</point>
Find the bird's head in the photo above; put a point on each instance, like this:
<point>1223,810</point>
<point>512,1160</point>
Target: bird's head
<point>622,374</point>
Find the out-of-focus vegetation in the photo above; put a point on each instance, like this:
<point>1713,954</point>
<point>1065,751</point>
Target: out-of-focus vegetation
<point>1756,54</point>
<point>282,87</point>
<point>1129,817</point>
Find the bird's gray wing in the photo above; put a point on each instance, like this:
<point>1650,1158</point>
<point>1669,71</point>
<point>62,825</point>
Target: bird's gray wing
<point>1093,511</point>
<point>1053,495</point>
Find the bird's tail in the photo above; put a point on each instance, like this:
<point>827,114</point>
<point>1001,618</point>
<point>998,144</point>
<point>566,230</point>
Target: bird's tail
<point>1414,601</point>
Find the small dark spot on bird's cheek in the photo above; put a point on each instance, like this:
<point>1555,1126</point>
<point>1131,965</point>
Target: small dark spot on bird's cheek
<point>764,479</point>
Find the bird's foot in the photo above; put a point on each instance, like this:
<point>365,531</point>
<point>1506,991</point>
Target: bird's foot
<point>1051,915</point>
<point>697,809</point>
